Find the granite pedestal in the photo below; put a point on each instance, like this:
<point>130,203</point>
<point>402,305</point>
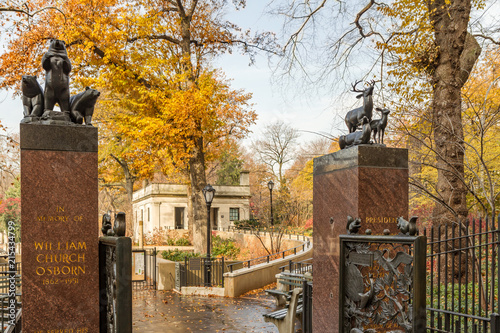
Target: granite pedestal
<point>368,182</point>
<point>60,257</point>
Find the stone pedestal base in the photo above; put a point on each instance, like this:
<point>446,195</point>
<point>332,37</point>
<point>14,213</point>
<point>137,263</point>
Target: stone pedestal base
<point>363,181</point>
<point>59,228</point>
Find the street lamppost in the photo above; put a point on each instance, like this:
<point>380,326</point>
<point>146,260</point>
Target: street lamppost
<point>270,186</point>
<point>208,193</point>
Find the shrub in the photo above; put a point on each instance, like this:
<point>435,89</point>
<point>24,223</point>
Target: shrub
<point>157,237</point>
<point>225,247</point>
<point>176,255</point>
<point>247,224</point>
<point>182,242</point>
<point>309,224</point>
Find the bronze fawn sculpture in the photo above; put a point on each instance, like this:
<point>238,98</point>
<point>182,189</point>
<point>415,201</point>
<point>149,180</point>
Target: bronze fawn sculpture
<point>353,117</point>
<point>378,126</point>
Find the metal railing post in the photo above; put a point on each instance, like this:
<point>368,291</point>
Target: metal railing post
<point>222,272</point>
<point>154,265</point>
<point>186,272</point>
<point>495,322</point>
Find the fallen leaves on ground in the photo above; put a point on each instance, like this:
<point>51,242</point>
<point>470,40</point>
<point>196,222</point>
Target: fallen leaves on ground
<point>260,290</point>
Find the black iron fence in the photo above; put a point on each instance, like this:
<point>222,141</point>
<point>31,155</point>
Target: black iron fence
<point>307,297</point>
<point>298,267</point>
<point>463,277</point>
<point>262,231</point>
<point>192,272</point>
<point>147,268</point>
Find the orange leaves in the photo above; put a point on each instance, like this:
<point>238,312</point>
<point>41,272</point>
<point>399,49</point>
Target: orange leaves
<point>209,110</point>
<point>159,102</point>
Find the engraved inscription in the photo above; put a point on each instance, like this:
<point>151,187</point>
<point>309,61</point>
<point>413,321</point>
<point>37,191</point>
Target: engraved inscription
<point>60,259</point>
<point>380,220</point>
<point>58,217</point>
<point>60,263</point>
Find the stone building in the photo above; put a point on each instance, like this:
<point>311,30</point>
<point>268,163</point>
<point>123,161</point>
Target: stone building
<point>166,205</point>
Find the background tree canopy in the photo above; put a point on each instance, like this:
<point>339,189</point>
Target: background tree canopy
<point>161,99</point>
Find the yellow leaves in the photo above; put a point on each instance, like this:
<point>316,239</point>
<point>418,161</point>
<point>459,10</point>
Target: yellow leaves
<point>157,99</point>
<point>166,133</point>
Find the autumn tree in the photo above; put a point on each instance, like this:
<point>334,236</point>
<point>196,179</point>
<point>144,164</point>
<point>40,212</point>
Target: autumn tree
<point>117,175</point>
<point>10,208</point>
<point>228,167</point>
<point>480,124</point>
<point>300,178</point>
<point>276,148</point>
<point>258,176</point>
<point>153,60</point>
<point>481,118</point>
<point>9,159</point>
<point>424,51</point>
<point>482,135</point>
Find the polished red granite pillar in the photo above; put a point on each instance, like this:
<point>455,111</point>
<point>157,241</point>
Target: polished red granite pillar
<point>59,228</point>
<point>368,182</point>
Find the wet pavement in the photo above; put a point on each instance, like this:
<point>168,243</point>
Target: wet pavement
<point>167,311</point>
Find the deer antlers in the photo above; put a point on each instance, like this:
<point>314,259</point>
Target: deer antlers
<point>371,84</point>
<point>354,86</point>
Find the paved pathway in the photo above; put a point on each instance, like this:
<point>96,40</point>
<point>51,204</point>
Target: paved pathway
<point>167,311</point>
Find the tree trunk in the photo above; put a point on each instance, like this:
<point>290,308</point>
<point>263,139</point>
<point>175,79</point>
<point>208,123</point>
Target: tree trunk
<point>458,52</point>
<point>198,210</point>
<point>450,31</point>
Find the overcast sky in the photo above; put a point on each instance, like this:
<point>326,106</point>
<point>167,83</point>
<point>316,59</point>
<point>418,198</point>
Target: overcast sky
<point>304,110</point>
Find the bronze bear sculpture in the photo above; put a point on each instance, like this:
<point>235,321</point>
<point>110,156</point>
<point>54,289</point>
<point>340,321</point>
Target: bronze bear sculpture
<point>82,106</point>
<point>32,96</point>
<point>57,67</point>
<point>106,224</point>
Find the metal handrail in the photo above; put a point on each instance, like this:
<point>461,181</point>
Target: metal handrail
<point>292,265</point>
<point>268,257</point>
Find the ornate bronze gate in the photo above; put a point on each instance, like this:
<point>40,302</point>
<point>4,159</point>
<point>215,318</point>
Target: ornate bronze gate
<point>382,284</point>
